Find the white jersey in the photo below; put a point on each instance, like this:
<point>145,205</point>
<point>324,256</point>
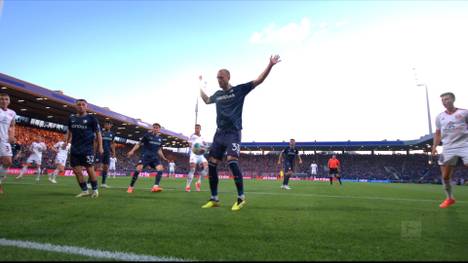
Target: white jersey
<point>171,166</point>
<point>195,139</point>
<point>61,152</point>
<point>453,128</point>
<point>6,117</point>
<point>112,163</point>
<point>37,148</point>
<point>313,168</point>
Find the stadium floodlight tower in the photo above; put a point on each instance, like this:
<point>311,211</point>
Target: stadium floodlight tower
<point>428,109</point>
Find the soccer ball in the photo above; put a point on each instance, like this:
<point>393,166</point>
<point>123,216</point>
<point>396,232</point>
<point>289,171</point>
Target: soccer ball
<point>198,149</point>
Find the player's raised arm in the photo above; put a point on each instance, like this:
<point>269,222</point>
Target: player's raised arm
<point>273,61</point>
<point>205,97</point>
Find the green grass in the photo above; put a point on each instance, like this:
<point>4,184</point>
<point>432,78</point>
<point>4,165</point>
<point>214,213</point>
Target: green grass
<point>313,221</point>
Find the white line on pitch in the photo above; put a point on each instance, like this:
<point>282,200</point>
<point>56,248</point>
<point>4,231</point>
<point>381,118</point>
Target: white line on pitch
<point>83,251</point>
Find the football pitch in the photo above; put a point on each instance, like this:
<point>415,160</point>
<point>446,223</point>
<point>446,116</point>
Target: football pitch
<point>313,221</point>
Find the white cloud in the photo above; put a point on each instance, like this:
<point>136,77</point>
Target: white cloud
<point>358,83</point>
<point>290,33</point>
<point>354,83</point>
<point>1,8</point>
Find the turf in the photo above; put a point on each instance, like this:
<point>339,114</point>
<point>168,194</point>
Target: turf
<point>313,221</point>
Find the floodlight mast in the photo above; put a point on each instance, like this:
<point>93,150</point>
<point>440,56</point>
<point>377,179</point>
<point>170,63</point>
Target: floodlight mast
<point>428,108</point>
<point>429,123</point>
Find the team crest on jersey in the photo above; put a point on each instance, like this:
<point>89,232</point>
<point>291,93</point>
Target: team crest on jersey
<point>458,117</point>
<point>85,121</point>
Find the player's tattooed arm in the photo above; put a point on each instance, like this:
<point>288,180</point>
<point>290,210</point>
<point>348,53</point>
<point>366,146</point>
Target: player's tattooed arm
<point>132,151</point>
<point>279,158</point>
<point>99,142</point>
<point>161,154</point>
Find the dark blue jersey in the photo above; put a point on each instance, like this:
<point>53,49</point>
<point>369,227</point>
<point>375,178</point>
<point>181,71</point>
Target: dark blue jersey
<point>151,143</point>
<point>290,153</point>
<point>107,139</point>
<point>229,106</point>
<point>83,130</point>
<point>15,149</point>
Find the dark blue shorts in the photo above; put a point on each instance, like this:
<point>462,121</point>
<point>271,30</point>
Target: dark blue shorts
<point>86,160</point>
<point>103,158</point>
<point>225,142</point>
<point>288,166</point>
<point>149,162</point>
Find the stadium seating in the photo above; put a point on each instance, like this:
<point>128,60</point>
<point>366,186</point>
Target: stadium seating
<point>396,167</point>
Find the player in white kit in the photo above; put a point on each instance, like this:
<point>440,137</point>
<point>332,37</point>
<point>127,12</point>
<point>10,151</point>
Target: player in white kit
<point>313,168</point>
<point>172,169</point>
<point>112,163</point>
<point>35,158</point>
<point>452,130</point>
<point>62,149</point>
<point>7,136</point>
<point>196,160</point>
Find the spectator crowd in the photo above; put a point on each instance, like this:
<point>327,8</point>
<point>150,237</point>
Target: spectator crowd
<point>396,167</point>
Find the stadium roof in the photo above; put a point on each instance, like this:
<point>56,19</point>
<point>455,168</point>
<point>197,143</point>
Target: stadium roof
<point>422,143</point>
<point>33,101</point>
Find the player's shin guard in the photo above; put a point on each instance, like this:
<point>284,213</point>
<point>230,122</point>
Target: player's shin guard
<point>203,174</point>
<point>158,177</point>
<point>447,188</point>
<point>38,174</point>
<point>3,173</point>
<point>213,178</point>
<point>286,179</point>
<point>104,176</point>
<point>234,166</point>
<point>83,186</point>
<point>94,185</point>
<point>55,173</point>
<point>23,170</point>
<point>190,176</point>
<point>134,178</point>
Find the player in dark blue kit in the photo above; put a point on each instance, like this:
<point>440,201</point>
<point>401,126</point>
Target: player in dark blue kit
<point>151,150</point>
<point>289,153</point>
<point>83,129</point>
<point>108,145</point>
<point>229,103</point>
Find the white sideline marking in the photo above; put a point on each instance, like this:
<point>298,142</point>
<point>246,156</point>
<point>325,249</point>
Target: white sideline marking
<point>84,251</point>
<point>289,194</point>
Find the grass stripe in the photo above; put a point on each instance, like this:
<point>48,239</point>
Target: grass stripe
<point>290,193</point>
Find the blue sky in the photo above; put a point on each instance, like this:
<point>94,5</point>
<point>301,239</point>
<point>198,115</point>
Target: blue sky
<point>346,71</point>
